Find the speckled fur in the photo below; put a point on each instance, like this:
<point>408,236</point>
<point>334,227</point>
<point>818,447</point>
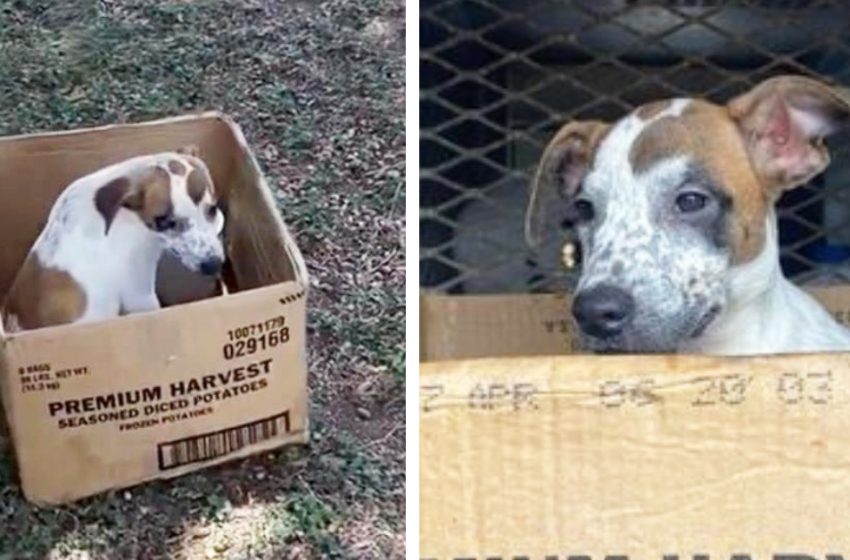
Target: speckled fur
<point>675,277</point>
<point>198,239</point>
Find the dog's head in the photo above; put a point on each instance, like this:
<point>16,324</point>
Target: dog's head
<point>174,198</point>
<point>671,198</point>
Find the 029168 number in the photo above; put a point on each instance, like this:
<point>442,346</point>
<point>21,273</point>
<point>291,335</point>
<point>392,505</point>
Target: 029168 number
<point>248,346</point>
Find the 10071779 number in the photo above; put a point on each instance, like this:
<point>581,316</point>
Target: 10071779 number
<point>248,331</point>
<point>254,344</point>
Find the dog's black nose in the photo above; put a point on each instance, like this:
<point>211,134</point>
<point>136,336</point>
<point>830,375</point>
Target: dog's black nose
<point>603,311</point>
<point>211,266</point>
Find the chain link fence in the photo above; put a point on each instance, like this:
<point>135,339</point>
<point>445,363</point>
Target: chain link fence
<point>498,78</point>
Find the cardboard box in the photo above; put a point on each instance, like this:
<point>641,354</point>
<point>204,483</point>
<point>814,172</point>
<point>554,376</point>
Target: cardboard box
<point>489,326</point>
<point>153,395</point>
<point>546,457</point>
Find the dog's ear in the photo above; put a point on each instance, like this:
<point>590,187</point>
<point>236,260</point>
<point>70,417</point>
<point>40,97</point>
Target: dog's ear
<point>190,150</point>
<point>112,196</point>
<point>562,168</point>
<point>783,122</point>
<point>146,193</point>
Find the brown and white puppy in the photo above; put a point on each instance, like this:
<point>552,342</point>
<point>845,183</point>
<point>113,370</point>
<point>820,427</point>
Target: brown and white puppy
<point>97,256</point>
<point>674,209</point>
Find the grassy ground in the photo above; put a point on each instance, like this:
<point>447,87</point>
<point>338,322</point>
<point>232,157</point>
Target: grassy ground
<point>318,88</point>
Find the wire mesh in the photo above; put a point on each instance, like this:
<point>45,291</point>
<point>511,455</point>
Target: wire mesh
<point>498,77</point>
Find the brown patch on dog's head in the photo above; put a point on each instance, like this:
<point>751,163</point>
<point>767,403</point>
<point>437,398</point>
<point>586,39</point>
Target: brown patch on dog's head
<point>780,126</point>
<point>649,110</point>
<point>660,140</point>
<point>152,197</point>
<point>148,194</point>
<point>759,145</point>
<point>176,167</point>
<point>710,140</point>
<point>562,168</point>
<point>42,297</point>
<point>199,183</point>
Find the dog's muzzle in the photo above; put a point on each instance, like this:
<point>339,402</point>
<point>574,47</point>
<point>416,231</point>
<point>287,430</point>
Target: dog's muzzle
<point>603,311</point>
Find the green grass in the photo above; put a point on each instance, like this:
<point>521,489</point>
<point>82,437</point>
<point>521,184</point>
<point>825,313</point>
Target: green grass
<point>321,101</point>
<point>335,478</point>
<point>363,331</point>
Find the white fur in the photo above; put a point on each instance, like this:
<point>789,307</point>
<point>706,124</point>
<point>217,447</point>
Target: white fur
<point>117,269</point>
<point>767,314</point>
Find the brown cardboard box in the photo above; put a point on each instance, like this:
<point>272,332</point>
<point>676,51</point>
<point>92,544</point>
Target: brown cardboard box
<point>547,457</point>
<point>489,326</point>
<point>153,395</point>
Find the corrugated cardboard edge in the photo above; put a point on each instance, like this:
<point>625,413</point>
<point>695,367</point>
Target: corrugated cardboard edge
<point>502,325</point>
<point>293,251</point>
<point>70,132</point>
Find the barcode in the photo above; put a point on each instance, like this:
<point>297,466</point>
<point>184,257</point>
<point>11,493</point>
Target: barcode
<point>216,444</point>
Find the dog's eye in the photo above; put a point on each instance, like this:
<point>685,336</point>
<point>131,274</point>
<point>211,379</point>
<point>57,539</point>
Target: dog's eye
<point>164,223</point>
<point>584,210</point>
<point>212,211</point>
<point>691,202</point>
